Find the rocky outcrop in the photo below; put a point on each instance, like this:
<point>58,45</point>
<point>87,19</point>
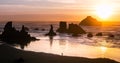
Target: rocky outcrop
<point>75,29</point>
<point>90,21</point>
<point>62,27</point>
<point>11,35</point>
<point>51,32</point>
<point>89,35</point>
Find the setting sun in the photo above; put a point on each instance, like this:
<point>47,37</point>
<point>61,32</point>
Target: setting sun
<point>104,11</point>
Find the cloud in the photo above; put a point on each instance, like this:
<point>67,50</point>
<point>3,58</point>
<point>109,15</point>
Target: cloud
<point>63,1</point>
<point>28,5</point>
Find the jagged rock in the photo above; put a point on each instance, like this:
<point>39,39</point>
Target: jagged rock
<point>62,27</point>
<point>51,32</point>
<point>11,35</point>
<point>90,21</point>
<point>75,29</point>
<point>23,30</point>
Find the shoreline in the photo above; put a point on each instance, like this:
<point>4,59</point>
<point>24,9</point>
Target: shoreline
<point>9,54</point>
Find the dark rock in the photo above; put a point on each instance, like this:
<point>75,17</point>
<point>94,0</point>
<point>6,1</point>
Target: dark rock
<point>62,27</point>
<point>90,21</point>
<point>26,28</point>
<point>89,34</point>
<point>75,35</point>
<point>43,29</point>
<point>12,36</point>
<point>51,32</point>
<point>75,29</point>
<point>10,33</point>
<point>111,36</point>
<point>36,28</point>
<point>99,34</point>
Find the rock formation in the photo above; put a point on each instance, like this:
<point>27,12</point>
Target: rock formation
<point>99,34</point>
<point>75,29</point>
<point>51,32</point>
<point>11,35</point>
<point>90,21</point>
<point>89,35</point>
<point>111,36</point>
<point>62,27</point>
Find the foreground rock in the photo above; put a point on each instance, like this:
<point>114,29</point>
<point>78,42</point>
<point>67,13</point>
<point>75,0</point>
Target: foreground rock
<point>9,54</point>
<point>90,21</point>
<point>12,36</point>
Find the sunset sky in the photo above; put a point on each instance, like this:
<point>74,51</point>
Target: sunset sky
<point>56,10</point>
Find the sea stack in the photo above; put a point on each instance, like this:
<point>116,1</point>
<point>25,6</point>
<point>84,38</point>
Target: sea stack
<point>62,27</point>
<point>75,29</point>
<point>90,21</point>
<point>51,32</point>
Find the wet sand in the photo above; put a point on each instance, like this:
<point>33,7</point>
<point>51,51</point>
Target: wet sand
<point>8,54</point>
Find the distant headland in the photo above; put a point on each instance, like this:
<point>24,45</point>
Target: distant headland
<point>90,21</point>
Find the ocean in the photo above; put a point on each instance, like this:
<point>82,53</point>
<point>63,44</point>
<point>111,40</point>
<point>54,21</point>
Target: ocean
<point>67,45</point>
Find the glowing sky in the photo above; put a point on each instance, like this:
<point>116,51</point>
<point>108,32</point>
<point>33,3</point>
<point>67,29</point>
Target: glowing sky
<point>55,9</point>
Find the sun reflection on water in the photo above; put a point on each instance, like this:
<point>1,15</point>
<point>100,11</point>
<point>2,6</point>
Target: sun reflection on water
<point>65,46</point>
<point>103,49</point>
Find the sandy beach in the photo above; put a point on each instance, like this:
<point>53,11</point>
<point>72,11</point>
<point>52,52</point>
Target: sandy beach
<point>9,54</point>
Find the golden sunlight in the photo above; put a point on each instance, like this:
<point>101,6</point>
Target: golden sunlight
<point>103,49</point>
<point>104,11</point>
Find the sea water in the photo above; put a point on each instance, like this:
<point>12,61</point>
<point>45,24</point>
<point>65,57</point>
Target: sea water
<point>66,45</point>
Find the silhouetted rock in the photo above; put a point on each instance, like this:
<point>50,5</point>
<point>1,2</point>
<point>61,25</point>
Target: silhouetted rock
<point>99,34</point>
<point>75,29</point>
<point>11,35</point>
<point>36,28</point>
<point>62,27</point>
<point>90,35</point>
<point>90,21</point>
<point>43,29</point>
<point>111,36</point>
<point>26,28</point>
<point>51,32</point>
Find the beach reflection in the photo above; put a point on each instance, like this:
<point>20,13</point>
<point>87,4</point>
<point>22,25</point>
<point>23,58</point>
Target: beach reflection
<point>103,49</point>
<point>51,41</point>
<point>69,46</point>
